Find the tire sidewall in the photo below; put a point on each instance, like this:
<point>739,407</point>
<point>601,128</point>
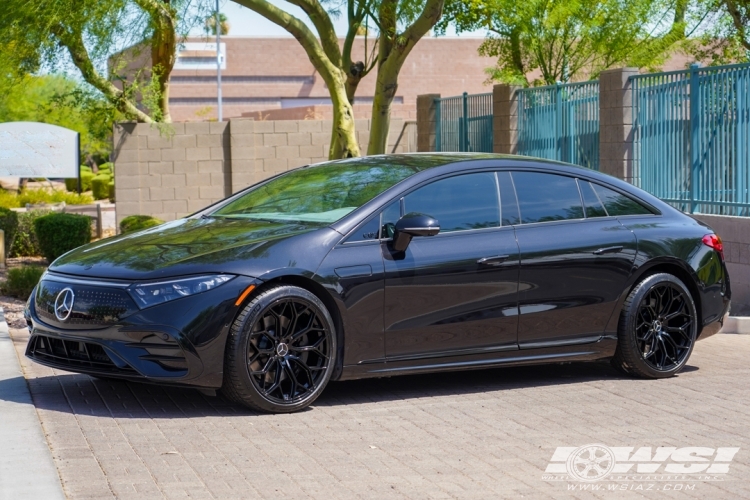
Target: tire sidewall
<point>242,327</point>
<point>629,334</point>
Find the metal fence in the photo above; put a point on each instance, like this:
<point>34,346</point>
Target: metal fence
<point>691,138</point>
<point>560,122</point>
<point>464,123</point>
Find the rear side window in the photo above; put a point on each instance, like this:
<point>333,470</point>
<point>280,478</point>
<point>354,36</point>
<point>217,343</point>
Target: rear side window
<point>458,203</point>
<point>619,204</point>
<point>593,204</point>
<point>547,197</point>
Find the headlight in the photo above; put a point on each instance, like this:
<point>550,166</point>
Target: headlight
<point>150,294</point>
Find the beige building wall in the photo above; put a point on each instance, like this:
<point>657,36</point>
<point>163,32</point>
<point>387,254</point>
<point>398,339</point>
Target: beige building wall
<point>271,73</point>
<point>172,173</point>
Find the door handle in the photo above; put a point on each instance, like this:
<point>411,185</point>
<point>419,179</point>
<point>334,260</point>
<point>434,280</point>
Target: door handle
<point>602,251</point>
<point>493,261</point>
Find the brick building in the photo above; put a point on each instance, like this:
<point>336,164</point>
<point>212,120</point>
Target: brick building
<point>273,76</point>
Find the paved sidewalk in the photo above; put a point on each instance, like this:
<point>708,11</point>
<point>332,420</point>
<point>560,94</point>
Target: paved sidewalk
<point>480,434</point>
<point>26,466</point>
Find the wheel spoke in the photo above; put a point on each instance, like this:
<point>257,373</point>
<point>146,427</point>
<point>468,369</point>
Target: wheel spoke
<point>276,379</point>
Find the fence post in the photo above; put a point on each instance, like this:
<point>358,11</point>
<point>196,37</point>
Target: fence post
<point>505,118</point>
<point>695,161</point>
<point>616,123</point>
<point>465,120</point>
<point>2,249</point>
<point>427,122</point>
<point>99,222</point>
<point>558,122</point>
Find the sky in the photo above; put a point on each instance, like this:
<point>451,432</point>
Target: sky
<point>245,22</point>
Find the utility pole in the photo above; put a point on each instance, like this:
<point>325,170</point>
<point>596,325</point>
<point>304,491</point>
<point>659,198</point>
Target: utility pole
<point>218,60</point>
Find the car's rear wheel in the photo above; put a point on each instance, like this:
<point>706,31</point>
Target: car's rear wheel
<point>657,329</point>
<point>281,351</point>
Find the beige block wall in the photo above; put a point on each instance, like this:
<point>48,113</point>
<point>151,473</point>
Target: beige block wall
<point>172,173</point>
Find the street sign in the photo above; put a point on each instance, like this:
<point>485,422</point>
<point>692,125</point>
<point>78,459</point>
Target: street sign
<point>31,149</point>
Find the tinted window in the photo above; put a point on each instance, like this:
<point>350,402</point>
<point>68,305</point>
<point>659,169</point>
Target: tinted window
<point>547,197</point>
<point>509,205</point>
<point>318,195</point>
<point>594,207</point>
<point>462,202</point>
<point>390,216</point>
<point>368,231</point>
<point>619,204</point>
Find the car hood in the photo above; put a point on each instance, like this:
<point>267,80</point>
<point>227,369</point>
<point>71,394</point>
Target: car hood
<point>186,246</point>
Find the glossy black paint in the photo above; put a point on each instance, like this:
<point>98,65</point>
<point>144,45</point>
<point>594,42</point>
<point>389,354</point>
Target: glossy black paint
<point>572,273</point>
<point>450,301</point>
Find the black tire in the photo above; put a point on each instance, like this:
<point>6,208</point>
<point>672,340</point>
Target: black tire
<point>657,329</point>
<point>281,351</point>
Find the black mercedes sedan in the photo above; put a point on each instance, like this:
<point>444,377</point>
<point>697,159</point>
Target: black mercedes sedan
<point>387,265</point>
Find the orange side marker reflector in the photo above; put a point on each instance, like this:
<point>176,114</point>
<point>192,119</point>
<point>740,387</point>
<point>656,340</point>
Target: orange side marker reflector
<point>245,294</point>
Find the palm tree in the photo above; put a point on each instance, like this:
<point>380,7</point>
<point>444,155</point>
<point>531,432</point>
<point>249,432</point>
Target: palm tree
<point>210,24</point>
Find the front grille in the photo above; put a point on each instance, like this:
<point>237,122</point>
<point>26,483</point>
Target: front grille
<point>73,354</point>
<point>93,306</point>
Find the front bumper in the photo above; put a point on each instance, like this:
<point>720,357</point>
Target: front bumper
<point>178,343</point>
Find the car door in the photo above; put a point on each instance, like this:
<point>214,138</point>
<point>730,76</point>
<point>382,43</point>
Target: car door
<point>575,260</point>
<point>353,272</point>
<point>455,292</point>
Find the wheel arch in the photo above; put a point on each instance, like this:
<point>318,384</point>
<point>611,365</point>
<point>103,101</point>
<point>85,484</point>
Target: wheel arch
<point>671,266</point>
<point>319,291</point>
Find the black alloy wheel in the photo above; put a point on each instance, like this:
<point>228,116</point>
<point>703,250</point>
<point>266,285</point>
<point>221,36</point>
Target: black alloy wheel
<point>658,328</point>
<point>281,351</point>
<point>664,329</point>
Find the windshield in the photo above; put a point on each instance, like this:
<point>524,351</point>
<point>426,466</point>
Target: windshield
<point>319,194</point>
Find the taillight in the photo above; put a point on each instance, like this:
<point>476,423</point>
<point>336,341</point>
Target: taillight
<point>713,241</point>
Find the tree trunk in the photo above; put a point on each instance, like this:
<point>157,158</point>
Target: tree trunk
<point>163,55</point>
<point>385,90</point>
<point>344,138</point>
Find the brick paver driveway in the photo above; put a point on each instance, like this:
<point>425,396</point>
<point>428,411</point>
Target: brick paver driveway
<point>481,434</point>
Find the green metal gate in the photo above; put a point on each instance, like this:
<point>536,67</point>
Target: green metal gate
<point>691,136</point>
<point>560,122</point>
<point>464,123</point>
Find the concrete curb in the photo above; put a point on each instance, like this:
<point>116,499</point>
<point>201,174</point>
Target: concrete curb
<point>26,466</point>
<point>737,324</point>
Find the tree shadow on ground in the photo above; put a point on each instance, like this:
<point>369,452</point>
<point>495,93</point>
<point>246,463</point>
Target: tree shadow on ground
<point>82,394</point>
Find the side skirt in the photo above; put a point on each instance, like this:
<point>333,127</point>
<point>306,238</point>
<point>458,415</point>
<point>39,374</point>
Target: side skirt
<point>604,348</point>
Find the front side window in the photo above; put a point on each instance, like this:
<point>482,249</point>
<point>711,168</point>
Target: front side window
<point>458,203</point>
<point>547,197</point>
<point>317,195</point>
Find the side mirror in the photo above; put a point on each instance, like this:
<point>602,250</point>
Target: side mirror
<point>411,225</point>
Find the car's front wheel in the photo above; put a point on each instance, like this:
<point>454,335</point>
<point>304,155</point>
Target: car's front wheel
<point>281,351</point>
<point>658,327</point>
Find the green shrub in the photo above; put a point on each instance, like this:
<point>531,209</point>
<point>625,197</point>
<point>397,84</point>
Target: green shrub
<point>105,167</point>
<point>138,222</point>
<point>41,196</point>
<point>86,176</point>
<point>72,184</point>
<point>25,243</point>
<point>9,224</point>
<point>60,233</point>
<point>111,188</point>
<point>100,186</point>
<point>21,281</point>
